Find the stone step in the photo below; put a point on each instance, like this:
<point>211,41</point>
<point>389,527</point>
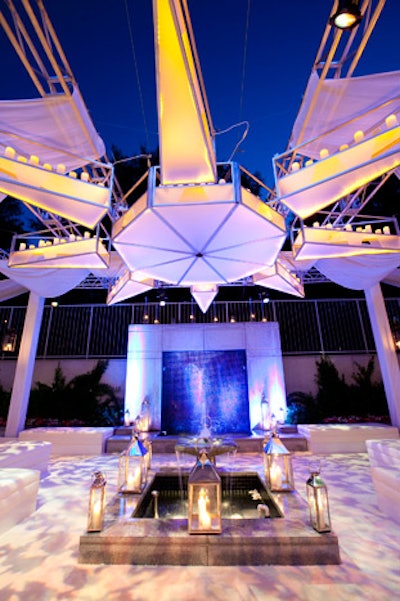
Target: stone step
<point>246,444</point>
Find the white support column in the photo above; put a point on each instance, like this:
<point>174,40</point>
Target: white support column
<point>25,365</point>
<point>386,350</point>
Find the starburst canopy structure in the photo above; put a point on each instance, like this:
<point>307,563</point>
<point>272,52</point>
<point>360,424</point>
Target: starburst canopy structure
<point>199,223</point>
<point>192,228</point>
<point>190,235</point>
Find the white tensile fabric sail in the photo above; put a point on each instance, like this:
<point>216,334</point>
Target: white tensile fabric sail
<point>346,135</point>
<point>344,106</point>
<point>57,129</point>
<point>42,142</point>
<point>48,283</point>
<point>358,272</point>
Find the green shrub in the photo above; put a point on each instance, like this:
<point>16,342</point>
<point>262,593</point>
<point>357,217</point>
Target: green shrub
<point>302,408</point>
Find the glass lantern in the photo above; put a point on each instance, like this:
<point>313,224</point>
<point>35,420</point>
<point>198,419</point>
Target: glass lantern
<point>278,465</point>
<point>143,422</point>
<point>97,497</point>
<point>317,497</point>
<point>9,341</point>
<point>204,496</point>
<point>132,471</point>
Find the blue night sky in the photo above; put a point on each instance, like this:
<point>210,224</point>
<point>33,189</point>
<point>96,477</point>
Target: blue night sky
<point>283,39</point>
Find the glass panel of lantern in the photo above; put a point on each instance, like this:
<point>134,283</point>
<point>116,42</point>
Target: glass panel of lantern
<point>148,445</point>
<point>132,471</point>
<point>204,498</point>
<point>317,497</point>
<point>96,502</point>
<point>278,465</point>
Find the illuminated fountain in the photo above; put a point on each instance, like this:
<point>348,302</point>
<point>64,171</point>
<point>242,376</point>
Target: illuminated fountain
<point>231,514</point>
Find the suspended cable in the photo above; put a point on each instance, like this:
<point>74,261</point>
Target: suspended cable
<point>137,156</point>
<point>243,137</point>
<point>137,75</point>
<point>246,35</point>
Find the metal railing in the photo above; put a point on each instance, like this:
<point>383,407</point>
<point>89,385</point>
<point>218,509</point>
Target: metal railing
<point>328,326</point>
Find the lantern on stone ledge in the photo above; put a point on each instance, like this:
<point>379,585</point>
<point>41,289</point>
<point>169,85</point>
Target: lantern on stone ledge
<point>132,470</point>
<point>97,497</point>
<point>204,496</point>
<point>278,465</point>
<point>317,497</point>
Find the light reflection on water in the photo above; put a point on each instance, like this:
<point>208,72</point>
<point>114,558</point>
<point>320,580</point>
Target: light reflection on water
<point>239,499</point>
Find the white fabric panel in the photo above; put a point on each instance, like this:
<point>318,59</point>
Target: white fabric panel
<point>52,122</point>
<point>79,254</point>
<point>46,283</point>
<point>10,289</point>
<point>204,298</point>
<point>341,100</point>
<point>115,267</point>
<point>393,278</point>
<point>312,188</point>
<point>279,278</point>
<point>193,221</point>
<point>358,272</point>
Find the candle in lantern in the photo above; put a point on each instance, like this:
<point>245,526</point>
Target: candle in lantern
<point>204,516</point>
<point>276,476</point>
<point>133,481</point>
<point>96,520</point>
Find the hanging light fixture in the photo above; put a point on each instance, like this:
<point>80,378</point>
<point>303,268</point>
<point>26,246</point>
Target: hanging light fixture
<point>347,15</point>
<point>317,497</point>
<point>96,502</point>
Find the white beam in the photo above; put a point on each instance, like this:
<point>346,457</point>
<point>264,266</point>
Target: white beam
<point>186,144</point>
<point>386,350</point>
<point>25,365</point>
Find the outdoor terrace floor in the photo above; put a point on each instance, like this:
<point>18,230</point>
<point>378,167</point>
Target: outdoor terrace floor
<point>39,557</point>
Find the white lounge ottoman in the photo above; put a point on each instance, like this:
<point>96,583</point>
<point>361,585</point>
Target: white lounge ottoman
<point>25,454</point>
<point>384,453</point>
<point>71,441</point>
<point>387,487</point>
<point>18,495</point>
<point>344,438</point>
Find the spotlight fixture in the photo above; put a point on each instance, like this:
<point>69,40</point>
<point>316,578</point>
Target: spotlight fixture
<point>162,299</point>
<point>264,297</point>
<point>347,15</point>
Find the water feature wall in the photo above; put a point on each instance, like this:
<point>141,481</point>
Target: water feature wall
<point>148,349</point>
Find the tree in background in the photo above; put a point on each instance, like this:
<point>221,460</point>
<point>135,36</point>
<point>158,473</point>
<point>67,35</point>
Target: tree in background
<point>362,400</point>
<point>85,398</point>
